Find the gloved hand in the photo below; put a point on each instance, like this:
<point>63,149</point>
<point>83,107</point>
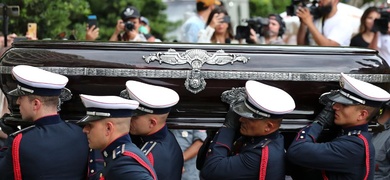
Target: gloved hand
<point>326,116</point>
<point>232,120</point>
<point>7,128</point>
<point>324,98</point>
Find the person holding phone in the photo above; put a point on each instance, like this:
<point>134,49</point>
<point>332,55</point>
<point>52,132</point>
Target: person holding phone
<point>218,28</point>
<point>92,28</point>
<point>365,35</point>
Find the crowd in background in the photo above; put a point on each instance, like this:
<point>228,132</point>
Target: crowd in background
<point>212,24</point>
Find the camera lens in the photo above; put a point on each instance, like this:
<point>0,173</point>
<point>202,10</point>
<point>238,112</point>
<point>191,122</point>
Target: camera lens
<point>129,26</point>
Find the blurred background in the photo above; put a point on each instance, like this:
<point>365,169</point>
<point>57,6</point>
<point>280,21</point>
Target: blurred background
<point>58,18</point>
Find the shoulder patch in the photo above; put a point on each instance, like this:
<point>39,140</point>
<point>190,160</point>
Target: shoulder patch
<point>354,133</point>
<point>22,130</point>
<point>118,151</point>
<point>148,146</point>
<point>263,143</point>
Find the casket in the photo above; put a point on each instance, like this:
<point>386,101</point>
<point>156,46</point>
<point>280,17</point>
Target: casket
<point>207,76</point>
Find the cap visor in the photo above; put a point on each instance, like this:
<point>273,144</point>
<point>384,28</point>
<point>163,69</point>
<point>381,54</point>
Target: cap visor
<point>16,92</point>
<point>139,113</point>
<point>241,109</point>
<point>87,119</point>
<point>339,98</point>
<point>217,2</point>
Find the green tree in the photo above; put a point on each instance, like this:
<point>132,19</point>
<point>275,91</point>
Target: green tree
<point>108,12</point>
<point>265,7</point>
<point>51,16</point>
<point>56,16</point>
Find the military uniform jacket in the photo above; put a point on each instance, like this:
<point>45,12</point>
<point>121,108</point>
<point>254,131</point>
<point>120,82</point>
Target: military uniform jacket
<point>163,151</point>
<point>124,160</point>
<point>50,149</point>
<point>349,156</point>
<point>381,143</point>
<point>256,157</point>
<point>95,165</point>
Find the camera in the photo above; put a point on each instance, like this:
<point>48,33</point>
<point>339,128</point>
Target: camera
<point>12,11</point>
<point>295,4</point>
<point>381,24</point>
<point>255,23</point>
<point>129,26</point>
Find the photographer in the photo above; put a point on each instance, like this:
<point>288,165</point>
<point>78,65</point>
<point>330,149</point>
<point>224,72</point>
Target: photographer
<point>328,30</point>
<point>127,27</point>
<point>381,40</point>
<point>219,28</point>
<point>365,35</point>
<point>271,33</point>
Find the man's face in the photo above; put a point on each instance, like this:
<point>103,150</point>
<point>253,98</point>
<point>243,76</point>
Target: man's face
<point>252,127</point>
<point>95,132</point>
<point>325,3</point>
<point>26,108</point>
<point>326,6</point>
<point>273,28</point>
<point>140,125</point>
<point>345,115</point>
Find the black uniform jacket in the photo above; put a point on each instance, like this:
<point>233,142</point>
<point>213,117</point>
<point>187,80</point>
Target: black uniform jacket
<point>50,149</point>
<point>163,151</point>
<point>349,156</point>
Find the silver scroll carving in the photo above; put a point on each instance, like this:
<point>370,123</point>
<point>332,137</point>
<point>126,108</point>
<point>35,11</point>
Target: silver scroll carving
<point>195,58</point>
<point>236,94</point>
<point>65,95</point>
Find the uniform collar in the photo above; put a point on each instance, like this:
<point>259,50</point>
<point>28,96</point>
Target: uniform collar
<point>258,139</point>
<point>360,128</point>
<point>121,140</point>
<point>160,134</point>
<point>47,120</point>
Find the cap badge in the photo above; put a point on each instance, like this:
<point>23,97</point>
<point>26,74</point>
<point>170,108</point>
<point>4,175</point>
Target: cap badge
<point>129,12</point>
<point>341,83</point>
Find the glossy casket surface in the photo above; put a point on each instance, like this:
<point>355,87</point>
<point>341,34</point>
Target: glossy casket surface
<point>200,73</point>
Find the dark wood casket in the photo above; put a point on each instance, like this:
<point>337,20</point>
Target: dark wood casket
<point>206,76</point>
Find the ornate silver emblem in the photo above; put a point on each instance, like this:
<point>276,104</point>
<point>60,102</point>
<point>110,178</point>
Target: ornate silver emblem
<point>195,58</point>
<point>124,94</point>
<point>234,95</point>
<point>65,95</point>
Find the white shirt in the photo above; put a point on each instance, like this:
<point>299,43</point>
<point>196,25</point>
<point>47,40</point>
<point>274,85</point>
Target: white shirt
<point>337,28</point>
<point>384,46</point>
<point>190,29</point>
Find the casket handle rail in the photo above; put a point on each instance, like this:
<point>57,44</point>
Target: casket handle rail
<point>195,81</point>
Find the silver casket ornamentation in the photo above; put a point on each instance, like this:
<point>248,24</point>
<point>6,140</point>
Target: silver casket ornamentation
<point>195,81</point>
